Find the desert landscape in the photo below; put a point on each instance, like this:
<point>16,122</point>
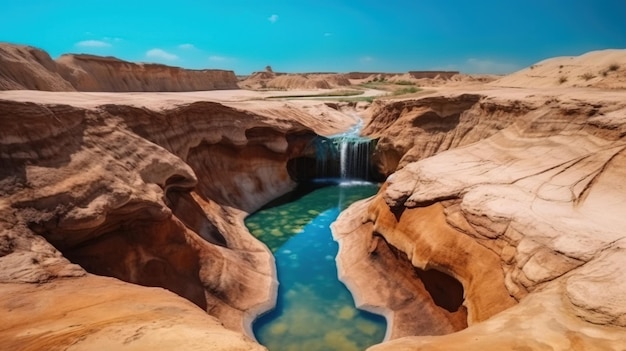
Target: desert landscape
<point>498,225</point>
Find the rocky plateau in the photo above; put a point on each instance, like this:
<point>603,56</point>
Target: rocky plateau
<point>500,225</point>
<point>29,68</point>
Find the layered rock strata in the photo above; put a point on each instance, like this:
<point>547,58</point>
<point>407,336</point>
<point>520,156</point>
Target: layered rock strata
<point>95,73</point>
<point>292,81</point>
<point>154,197</point>
<point>28,68</point>
<point>515,194</point>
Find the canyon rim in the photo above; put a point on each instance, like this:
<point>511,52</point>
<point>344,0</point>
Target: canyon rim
<point>499,224</point>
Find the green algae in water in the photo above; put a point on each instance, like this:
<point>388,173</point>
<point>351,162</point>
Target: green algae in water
<point>274,226</point>
<point>314,311</point>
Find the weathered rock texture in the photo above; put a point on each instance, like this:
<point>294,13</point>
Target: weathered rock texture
<point>28,68</point>
<point>94,73</point>
<point>433,74</point>
<point>24,67</point>
<point>284,81</point>
<point>516,194</point>
<point>154,197</point>
<point>99,313</point>
<point>598,69</point>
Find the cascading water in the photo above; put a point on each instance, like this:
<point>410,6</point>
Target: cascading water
<point>343,159</point>
<point>345,156</point>
<point>354,153</point>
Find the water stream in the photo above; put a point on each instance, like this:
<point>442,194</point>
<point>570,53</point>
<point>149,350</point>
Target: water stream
<point>314,310</point>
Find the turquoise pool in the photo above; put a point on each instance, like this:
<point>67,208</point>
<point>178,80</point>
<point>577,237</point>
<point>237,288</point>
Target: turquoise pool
<point>314,311</point>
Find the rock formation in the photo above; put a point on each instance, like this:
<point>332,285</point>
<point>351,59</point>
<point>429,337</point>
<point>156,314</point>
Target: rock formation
<point>499,225</point>
<point>154,197</point>
<point>23,67</point>
<point>515,194</point>
<point>598,69</point>
<point>283,81</point>
<point>95,73</point>
<point>433,74</point>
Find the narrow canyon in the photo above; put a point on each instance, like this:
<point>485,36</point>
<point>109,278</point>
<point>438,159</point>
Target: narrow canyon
<point>124,188</point>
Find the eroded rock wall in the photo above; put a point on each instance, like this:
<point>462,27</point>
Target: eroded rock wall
<point>28,68</point>
<point>151,197</point>
<point>410,130</point>
<point>517,196</point>
<point>95,73</point>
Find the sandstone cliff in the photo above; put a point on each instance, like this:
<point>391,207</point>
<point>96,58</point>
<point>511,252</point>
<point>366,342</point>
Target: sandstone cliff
<point>154,197</point>
<point>517,195</point>
<point>27,68</point>
<point>94,73</point>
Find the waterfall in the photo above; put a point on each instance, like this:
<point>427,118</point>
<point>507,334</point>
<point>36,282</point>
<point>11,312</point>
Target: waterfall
<point>343,159</point>
<point>346,156</point>
<point>354,153</point>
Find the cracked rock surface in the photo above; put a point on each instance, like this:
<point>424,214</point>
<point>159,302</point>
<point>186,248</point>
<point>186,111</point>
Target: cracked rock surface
<point>152,193</point>
<point>527,212</point>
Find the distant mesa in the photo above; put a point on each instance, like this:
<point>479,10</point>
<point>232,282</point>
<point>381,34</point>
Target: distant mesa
<point>28,68</point>
<point>412,74</point>
<point>369,75</point>
<point>270,80</point>
<point>433,74</point>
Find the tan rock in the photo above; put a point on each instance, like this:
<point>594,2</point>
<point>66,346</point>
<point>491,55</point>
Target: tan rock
<point>527,209</point>
<point>599,69</point>
<point>95,73</point>
<point>23,67</point>
<point>284,81</point>
<point>150,196</point>
<point>91,312</point>
<point>541,321</point>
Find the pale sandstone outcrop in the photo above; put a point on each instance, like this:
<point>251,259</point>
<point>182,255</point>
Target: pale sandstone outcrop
<point>154,197</point>
<point>598,69</point>
<point>519,196</point>
<point>100,313</point>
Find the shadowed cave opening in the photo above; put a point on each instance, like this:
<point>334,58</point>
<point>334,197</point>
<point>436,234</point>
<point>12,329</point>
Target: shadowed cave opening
<point>430,286</point>
<point>135,247</point>
<point>146,252</point>
<point>445,291</point>
<point>191,214</point>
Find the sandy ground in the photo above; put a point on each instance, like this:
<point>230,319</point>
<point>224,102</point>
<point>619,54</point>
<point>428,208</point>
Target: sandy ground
<point>159,100</point>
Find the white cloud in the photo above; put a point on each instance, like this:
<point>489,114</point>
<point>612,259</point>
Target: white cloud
<point>93,44</point>
<point>186,46</point>
<point>216,58</point>
<point>112,39</point>
<point>273,18</point>
<point>161,54</point>
<point>328,34</point>
<point>474,65</point>
<point>366,59</point>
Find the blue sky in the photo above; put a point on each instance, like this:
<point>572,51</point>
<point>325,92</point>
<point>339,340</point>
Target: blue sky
<point>489,36</point>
